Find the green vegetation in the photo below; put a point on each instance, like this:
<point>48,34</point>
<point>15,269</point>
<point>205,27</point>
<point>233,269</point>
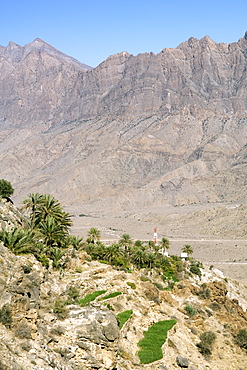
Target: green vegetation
<point>195,268</point>
<point>46,236</point>
<point>170,276</point>
<point>187,249</point>
<point>204,291</point>
<point>90,297</point>
<point>131,284</point>
<point>128,255</point>
<point>124,316</point>
<point>73,294</point>
<point>111,295</point>
<point>23,330</point>
<point>6,189</point>
<point>165,244</point>
<point>60,309</point>
<point>153,340</point>
<point>191,311</point>
<point>241,338</point>
<point>93,235</point>
<point>6,316</point>
<point>125,241</point>
<point>206,345</point>
<point>18,240</point>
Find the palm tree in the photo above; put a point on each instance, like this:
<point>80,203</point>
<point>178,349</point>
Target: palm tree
<point>97,250</point>
<point>187,249</point>
<point>139,244</point>
<point>93,235</point>
<point>18,240</point>
<point>31,203</point>
<point>151,244</point>
<point>125,241</point>
<point>113,252</point>
<point>51,233</point>
<point>49,206</point>
<point>56,254</point>
<point>156,247</point>
<point>74,241</point>
<point>150,259</point>
<point>138,256</point>
<point>165,244</point>
<point>41,206</point>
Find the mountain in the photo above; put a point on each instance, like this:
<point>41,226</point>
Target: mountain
<point>134,132</point>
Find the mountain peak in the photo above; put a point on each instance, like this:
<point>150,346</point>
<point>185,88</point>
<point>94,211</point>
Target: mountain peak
<point>12,46</point>
<point>41,45</point>
<point>39,40</point>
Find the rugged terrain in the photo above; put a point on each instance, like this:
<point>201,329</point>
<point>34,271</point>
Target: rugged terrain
<point>45,334</point>
<point>137,142</point>
<point>134,132</point>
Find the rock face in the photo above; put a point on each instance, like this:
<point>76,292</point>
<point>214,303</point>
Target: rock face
<point>137,130</point>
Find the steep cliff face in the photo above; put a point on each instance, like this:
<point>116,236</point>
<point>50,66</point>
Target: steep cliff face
<point>199,76</point>
<point>171,124</point>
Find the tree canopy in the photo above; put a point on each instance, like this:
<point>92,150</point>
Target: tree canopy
<point>6,189</point>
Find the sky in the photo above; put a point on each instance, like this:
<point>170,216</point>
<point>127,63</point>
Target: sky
<point>90,31</point>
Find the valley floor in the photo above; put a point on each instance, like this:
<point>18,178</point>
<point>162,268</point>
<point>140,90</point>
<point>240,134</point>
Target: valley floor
<point>215,232</point>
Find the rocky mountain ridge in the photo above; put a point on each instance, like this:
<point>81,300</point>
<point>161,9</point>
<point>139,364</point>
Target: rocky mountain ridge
<point>38,330</point>
<point>136,131</point>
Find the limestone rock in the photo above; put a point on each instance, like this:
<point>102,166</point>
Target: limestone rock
<point>182,362</point>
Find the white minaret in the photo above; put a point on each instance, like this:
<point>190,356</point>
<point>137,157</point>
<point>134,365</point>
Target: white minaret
<point>155,236</point>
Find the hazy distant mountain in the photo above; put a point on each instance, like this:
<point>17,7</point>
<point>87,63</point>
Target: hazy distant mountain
<point>139,130</point>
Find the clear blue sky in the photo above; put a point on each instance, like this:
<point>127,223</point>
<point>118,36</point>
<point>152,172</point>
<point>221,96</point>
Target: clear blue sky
<point>90,31</point>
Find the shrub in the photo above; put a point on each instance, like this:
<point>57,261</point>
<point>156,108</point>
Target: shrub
<point>206,345</point>
<point>215,306</point>
<point>144,278</point>
<point>195,269</point>
<point>158,285</point>
<point>153,340</point>
<point>57,330</point>
<point>73,293</point>
<point>60,309</point>
<point>204,291</point>
<point>90,297</point>
<point>191,311</point>
<point>78,269</point>
<point>124,316</point>
<point>6,189</point>
<point>132,285</point>
<point>26,346</point>
<point>43,259</point>
<point>23,331</point>
<point>6,316</point>
<point>241,338</point>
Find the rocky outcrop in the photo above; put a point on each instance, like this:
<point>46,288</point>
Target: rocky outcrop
<point>10,216</point>
<point>75,337</point>
<point>43,325</point>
